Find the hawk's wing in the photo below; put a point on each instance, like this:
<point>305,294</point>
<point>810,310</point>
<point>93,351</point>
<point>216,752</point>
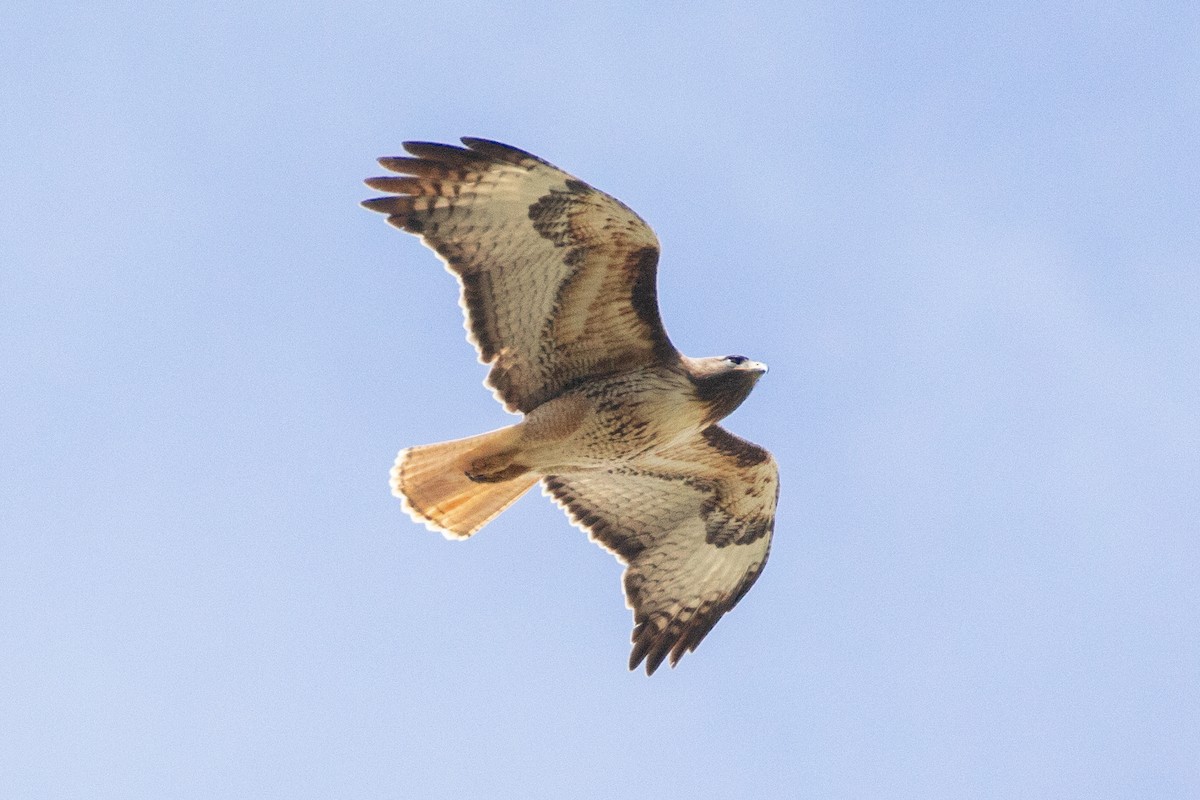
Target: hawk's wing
<point>694,525</point>
<point>558,279</point>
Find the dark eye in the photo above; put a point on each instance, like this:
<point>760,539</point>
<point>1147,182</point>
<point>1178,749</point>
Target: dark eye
<point>737,359</point>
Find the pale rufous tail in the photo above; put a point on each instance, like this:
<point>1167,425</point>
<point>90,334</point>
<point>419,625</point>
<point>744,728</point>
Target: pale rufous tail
<point>431,481</point>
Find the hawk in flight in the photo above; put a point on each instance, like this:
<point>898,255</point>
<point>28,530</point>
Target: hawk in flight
<point>558,288</point>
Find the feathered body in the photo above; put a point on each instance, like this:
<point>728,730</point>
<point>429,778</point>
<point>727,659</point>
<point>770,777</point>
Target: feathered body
<point>558,285</point>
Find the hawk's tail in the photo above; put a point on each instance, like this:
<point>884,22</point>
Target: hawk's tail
<point>458,487</point>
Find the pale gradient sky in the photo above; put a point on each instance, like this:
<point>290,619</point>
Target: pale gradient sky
<point>967,242</point>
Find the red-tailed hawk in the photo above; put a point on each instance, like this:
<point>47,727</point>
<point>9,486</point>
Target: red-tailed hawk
<point>558,287</point>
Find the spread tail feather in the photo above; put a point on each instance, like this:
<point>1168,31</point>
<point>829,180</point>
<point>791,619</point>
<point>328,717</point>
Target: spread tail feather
<point>433,484</point>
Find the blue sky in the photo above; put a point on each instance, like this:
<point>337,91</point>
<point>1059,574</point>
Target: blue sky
<point>966,240</point>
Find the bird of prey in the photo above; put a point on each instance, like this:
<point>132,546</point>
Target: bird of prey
<point>558,287</point>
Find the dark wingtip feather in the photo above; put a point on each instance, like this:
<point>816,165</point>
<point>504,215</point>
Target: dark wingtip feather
<point>498,150</point>
<point>418,148</point>
<point>407,223</point>
<point>392,184</point>
<point>384,205</point>
<point>650,644</point>
<point>425,167</point>
<point>442,153</point>
<point>641,643</point>
<point>659,652</point>
<point>398,163</point>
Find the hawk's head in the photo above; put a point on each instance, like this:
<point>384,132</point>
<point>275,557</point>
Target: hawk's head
<point>746,365</point>
<point>723,382</point>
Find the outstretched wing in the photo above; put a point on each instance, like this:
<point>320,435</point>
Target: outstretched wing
<point>694,526</point>
<point>557,278</point>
